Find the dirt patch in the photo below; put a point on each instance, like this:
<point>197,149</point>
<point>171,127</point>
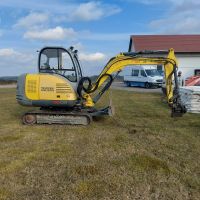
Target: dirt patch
<point>8,86</point>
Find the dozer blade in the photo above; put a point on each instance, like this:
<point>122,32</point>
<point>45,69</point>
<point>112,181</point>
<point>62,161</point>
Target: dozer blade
<point>56,117</point>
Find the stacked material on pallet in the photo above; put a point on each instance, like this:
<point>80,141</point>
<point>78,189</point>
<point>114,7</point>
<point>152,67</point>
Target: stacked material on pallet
<point>193,81</point>
<point>190,97</point>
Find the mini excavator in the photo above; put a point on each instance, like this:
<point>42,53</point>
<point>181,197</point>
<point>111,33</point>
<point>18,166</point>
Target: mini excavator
<point>64,96</point>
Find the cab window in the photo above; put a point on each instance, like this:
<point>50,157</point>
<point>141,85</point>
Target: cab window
<point>49,60</point>
<point>67,66</point>
<point>66,61</point>
<point>57,61</point>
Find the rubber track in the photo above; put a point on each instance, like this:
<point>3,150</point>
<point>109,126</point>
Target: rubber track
<point>60,117</point>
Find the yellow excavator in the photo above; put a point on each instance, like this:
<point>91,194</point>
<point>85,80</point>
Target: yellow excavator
<point>66,97</point>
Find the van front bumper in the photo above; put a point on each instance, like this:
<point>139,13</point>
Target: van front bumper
<point>156,84</point>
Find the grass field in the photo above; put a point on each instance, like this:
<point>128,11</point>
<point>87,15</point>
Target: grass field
<point>141,153</point>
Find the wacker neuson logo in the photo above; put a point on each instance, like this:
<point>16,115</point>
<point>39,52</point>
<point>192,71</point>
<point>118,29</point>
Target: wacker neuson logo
<point>47,89</point>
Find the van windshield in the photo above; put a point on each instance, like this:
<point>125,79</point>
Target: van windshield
<point>152,72</point>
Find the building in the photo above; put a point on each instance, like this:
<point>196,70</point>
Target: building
<point>187,49</point>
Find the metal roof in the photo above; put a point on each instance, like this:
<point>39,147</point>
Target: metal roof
<point>180,43</point>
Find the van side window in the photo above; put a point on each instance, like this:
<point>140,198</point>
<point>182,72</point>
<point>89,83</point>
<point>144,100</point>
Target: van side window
<point>135,72</point>
<point>143,73</point>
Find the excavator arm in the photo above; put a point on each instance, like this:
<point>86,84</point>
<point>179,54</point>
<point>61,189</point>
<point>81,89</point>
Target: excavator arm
<point>118,63</point>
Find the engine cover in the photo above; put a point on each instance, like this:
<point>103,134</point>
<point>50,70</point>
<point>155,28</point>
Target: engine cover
<point>47,90</point>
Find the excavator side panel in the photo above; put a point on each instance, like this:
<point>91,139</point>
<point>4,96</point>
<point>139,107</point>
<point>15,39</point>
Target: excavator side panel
<point>45,90</point>
<point>48,87</point>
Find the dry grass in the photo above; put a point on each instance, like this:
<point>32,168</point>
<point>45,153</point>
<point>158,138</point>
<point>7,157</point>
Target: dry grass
<point>141,153</point>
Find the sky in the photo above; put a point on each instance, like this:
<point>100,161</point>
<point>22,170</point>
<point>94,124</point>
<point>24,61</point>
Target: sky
<point>98,29</point>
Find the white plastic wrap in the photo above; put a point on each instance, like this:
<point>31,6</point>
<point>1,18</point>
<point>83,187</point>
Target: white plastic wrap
<point>190,97</point>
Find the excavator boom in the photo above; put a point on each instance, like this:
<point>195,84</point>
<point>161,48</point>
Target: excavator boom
<point>118,63</point>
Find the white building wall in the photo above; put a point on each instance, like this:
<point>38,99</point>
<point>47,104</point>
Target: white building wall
<point>187,64</point>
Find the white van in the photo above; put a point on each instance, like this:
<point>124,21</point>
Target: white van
<point>144,76</point>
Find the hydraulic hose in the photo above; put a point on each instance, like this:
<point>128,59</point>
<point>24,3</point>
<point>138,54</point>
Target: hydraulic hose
<point>90,88</point>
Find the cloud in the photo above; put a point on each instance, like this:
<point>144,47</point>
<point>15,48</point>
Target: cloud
<point>171,2</point>
<point>92,63</point>
<point>13,62</point>
<point>181,2</point>
<point>146,1</point>
<point>92,57</point>
<point>10,53</point>
<point>79,46</point>
<point>7,52</point>
<point>182,18</point>
<point>37,23</point>
<point>176,25</point>
<point>25,62</point>
<point>20,62</point>
<point>61,33</point>
<point>32,20</point>
<point>66,10</point>
<point>92,11</point>
<point>57,33</point>
<point>187,6</point>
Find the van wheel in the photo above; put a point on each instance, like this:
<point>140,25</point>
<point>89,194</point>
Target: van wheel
<point>147,85</point>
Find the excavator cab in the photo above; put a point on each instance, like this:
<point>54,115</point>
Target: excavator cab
<point>56,83</point>
<point>57,60</point>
